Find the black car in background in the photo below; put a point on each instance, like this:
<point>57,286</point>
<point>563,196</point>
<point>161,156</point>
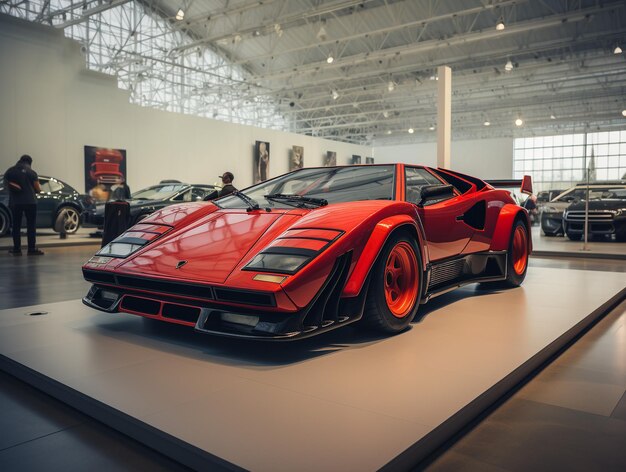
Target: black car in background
<point>551,213</point>
<point>607,215</point>
<point>59,206</point>
<point>150,199</point>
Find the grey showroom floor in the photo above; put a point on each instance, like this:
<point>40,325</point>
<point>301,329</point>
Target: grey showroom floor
<point>572,416</point>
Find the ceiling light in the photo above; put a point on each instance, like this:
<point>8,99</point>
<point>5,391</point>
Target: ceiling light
<point>330,59</point>
<point>487,123</point>
<point>519,122</point>
<point>278,30</point>
<point>623,112</point>
<point>552,117</point>
<point>388,131</point>
<point>508,66</point>
<point>391,86</point>
<point>180,14</point>
<point>335,94</point>
<point>617,49</point>
<point>431,127</point>
<point>433,77</point>
<point>411,131</point>
<point>386,114</point>
<point>500,24</point>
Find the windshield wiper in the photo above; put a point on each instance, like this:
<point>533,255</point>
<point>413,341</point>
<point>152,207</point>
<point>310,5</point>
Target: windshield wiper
<point>297,201</point>
<point>252,205</point>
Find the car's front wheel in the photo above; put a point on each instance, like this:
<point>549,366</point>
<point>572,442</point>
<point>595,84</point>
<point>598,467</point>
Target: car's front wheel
<point>5,222</point>
<point>67,220</point>
<point>394,292</point>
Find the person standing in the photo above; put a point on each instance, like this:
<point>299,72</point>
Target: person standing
<point>23,184</point>
<point>120,190</point>
<point>227,184</point>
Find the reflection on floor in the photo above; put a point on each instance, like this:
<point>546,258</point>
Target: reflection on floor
<point>48,238</point>
<point>544,245</point>
<point>572,415</point>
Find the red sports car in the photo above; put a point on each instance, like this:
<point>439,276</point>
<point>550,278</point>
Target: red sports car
<point>313,250</point>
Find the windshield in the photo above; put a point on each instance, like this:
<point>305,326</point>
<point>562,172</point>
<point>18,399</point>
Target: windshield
<point>158,192</point>
<point>332,184</point>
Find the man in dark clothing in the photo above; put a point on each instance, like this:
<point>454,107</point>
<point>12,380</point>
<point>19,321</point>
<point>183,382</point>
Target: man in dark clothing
<point>227,187</point>
<point>120,190</point>
<point>23,185</point>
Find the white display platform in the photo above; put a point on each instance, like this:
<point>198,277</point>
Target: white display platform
<point>340,401</point>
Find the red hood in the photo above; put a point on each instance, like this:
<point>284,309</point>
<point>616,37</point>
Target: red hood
<point>212,248</point>
<point>225,239</point>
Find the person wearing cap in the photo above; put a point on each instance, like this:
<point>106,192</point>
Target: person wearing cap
<point>23,185</point>
<point>227,187</point>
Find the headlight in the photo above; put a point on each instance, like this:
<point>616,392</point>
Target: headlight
<point>122,247</point>
<point>289,261</point>
<point>292,250</point>
<point>133,240</point>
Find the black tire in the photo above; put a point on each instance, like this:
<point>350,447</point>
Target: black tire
<point>406,263</point>
<point>550,235</point>
<point>67,220</point>
<point>516,269</point>
<point>574,237</point>
<point>5,222</point>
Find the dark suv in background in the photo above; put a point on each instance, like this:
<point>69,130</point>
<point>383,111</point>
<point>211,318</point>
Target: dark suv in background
<point>552,212</point>
<point>59,206</point>
<point>607,215</point>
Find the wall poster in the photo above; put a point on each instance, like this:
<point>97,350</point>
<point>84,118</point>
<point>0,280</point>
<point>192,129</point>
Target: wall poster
<point>297,158</point>
<point>104,168</point>
<point>261,168</point>
<point>330,159</point>
<point>369,160</point>
<point>356,159</point>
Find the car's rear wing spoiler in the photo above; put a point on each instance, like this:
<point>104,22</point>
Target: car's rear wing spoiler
<point>525,185</point>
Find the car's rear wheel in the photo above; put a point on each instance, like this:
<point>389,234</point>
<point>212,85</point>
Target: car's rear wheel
<point>67,220</point>
<point>517,258</point>
<point>394,291</point>
<point>5,222</point>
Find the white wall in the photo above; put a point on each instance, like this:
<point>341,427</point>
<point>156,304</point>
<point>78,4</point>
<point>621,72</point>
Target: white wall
<point>483,158</point>
<point>51,106</point>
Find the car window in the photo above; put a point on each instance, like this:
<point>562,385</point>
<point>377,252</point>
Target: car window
<point>158,192</point>
<point>183,197</point>
<point>415,179</point>
<point>198,193</point>
<point>45,185</point>
<point>55,185</point>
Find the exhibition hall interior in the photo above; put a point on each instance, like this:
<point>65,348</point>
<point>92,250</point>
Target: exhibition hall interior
<point>325,235</point>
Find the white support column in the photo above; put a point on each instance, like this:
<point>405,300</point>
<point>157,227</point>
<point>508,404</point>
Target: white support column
<point>444,115</point>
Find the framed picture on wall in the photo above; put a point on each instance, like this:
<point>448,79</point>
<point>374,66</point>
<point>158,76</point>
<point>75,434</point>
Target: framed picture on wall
<point>261,169</point>
<point>297,158</point>
<point>330,159</point>
<point>356,159</point>
<point>369,160</point>
<point>104,168</point>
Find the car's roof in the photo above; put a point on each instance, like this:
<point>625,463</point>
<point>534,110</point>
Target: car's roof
<point>602,183</point>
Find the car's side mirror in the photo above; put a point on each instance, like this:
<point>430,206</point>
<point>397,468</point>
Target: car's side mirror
<point>435,193</point>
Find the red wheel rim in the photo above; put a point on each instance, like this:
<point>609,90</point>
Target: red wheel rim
<point>520,250</point>
<point>401,280</point>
